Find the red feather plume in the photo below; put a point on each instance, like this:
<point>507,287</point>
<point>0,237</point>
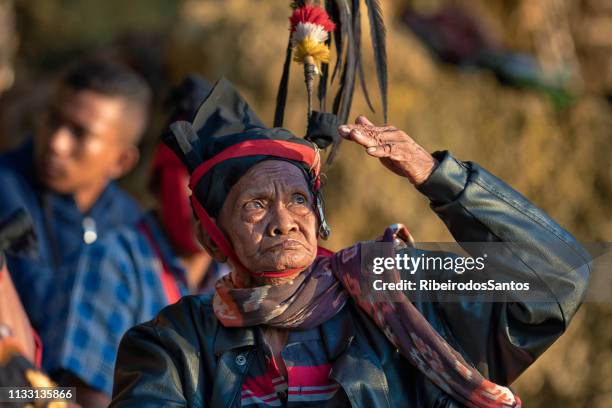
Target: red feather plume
<point>312,14</point>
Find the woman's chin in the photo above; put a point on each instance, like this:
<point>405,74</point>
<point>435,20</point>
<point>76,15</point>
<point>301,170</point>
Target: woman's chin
<point>289,261</point>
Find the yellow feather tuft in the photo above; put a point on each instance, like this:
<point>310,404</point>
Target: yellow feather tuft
<point>309,47</point>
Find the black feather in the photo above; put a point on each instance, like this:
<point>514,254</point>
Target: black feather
<point>378,34</point>
<point>323,81</point>
<point>339,35</point>
<point>344,97</point>
<point>357,35</point>
<point>281,96</point>
<point>322,91</point>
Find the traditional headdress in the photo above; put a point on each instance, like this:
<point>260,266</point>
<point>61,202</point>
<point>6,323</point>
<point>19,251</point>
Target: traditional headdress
<point>314,24</point>
<point>226,138</point>
<point>223,142</point>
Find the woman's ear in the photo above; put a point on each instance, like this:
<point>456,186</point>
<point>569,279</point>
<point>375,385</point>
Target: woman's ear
<point>209,244</point>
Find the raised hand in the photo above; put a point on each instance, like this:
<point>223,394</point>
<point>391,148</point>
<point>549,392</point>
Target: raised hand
<point>395,149</point>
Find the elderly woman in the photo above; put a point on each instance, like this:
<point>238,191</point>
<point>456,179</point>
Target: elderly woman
<point>290,326</point>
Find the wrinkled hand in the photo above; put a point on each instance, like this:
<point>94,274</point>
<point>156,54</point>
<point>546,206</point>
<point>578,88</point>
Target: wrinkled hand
<point>395,149</point>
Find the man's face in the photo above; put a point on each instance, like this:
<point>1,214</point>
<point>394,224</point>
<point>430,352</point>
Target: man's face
<point>80,142</point>
<point>269,218</point>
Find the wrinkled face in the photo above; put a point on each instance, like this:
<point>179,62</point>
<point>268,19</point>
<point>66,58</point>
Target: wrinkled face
<point>269,218</point>
<point>80,141</point>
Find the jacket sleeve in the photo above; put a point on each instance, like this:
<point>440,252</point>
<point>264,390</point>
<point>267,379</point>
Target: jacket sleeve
<point>146,374</point>
<point>503,339</point>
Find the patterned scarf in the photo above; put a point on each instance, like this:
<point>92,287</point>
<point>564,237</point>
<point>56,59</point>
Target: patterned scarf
<point>320,292</point>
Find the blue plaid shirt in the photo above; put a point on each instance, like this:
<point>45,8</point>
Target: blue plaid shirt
<point>59,227</point>
<point>116,285</point>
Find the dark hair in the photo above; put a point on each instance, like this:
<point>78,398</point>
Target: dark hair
<point>114,80</point>
<point>108,78</point>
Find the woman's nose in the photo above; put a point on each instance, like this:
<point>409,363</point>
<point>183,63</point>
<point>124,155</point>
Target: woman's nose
<point>282,222</point>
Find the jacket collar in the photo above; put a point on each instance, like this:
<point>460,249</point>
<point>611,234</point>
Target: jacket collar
<point>229,338</point>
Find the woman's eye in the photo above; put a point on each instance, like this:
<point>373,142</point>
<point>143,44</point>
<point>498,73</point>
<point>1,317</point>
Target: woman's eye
<point>299,199</point>
<point>254,205</point>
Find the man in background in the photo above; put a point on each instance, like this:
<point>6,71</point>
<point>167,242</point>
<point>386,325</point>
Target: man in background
<point>64,178</point>
<point>130,274</point>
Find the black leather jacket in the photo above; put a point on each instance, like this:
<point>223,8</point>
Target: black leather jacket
<point>186,358</point>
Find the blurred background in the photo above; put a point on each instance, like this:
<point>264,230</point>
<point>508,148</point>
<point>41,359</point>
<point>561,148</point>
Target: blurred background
<point>522,87</point>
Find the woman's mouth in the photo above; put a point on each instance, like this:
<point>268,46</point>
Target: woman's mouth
<point>287,244</point>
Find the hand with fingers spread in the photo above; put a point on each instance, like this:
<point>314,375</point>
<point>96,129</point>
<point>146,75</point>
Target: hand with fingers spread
<point>395,149</point>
